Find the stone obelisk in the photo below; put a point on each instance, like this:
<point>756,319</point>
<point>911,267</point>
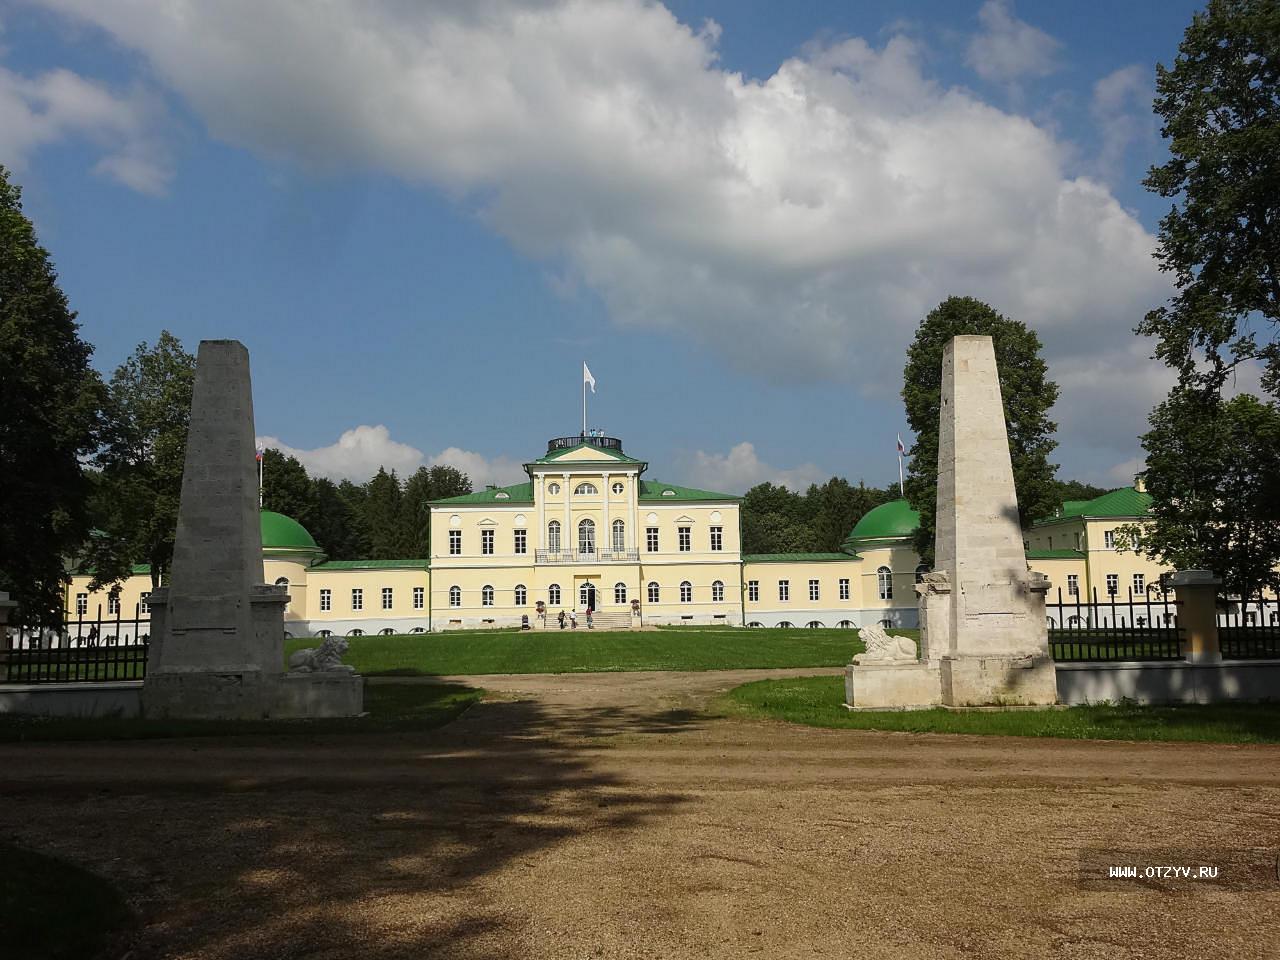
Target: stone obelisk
<point>984,617</point>
<point>217,632</point>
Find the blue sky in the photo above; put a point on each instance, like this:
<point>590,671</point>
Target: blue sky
<point>422,219</point>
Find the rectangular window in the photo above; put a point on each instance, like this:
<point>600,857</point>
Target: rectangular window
<point>143,605</point>
<point>486,542</point>
<point>844,588</point>
<point>1139,583</point>
<point>455,543</point>
<point>753,591</point>
<point>113,604</point>
<point>717,538</point>
<point>651,539</point>
<point>1073,584</point>
<point>357,598</point>
<point>1113,584</point>
<point>419,597</point>
<point>522,541</point>
<point>326,599</point>
<point>784,589</point>
<point>82,604</point>
<point>1109,539</point>
<point>813,590</point>
<point>686,539</point>
<point>386,598</point>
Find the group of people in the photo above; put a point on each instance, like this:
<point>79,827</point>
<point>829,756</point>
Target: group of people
<point>572,619</point>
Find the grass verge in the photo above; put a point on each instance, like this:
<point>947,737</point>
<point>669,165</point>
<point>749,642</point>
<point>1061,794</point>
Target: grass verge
<point>390,708</point>
<point>590,651</point>
<point>819,702</point>
<point>54,910</point>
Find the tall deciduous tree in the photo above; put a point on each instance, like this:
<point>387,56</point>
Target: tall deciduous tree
<point>50,416</point>
<point>1027,393</point>
<point>1220,106</point>
<point>136,503</point>
<point>1213,471</point>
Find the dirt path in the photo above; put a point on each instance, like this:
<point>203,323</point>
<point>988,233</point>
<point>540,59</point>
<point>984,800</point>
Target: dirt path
<point>602,815</point>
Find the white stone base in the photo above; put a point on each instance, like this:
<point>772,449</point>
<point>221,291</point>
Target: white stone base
<point>252,695</point>
<point>904,685</point>
<point>998,681</point>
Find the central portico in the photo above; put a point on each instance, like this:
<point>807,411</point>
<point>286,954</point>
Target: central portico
<point>587,519</point>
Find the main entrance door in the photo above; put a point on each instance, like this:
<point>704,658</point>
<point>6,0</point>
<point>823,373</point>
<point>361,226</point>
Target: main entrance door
<point>586,594</point>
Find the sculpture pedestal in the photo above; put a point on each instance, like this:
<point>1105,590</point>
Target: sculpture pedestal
<point>998,681</point>
<point>901,685</point>
<point>253,696</point>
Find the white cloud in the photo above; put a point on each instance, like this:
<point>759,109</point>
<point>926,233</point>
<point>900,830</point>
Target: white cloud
<point>1009,49</point>
<point>1121,107</point>
<point>44,109</point>
<point>359,452</point>
<point>741,469</point>
<point>800,225</point>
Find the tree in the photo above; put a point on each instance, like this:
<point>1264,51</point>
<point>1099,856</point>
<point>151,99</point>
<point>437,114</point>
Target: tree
<point>382,508</point>
<point>1220,107</point>
<point>51,402</point>
<point>427,484</point>
<point>1027,394</point>
<point>287,489</point>
<point>1213,472</point>
<point>834,508</point>
<point>774,520</point>
<point>336,527</point>
<point>135,506</point>
<point>1064,490</point>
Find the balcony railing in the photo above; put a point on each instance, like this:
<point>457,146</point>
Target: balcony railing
<point>603,556</point>
<point>566,443</point>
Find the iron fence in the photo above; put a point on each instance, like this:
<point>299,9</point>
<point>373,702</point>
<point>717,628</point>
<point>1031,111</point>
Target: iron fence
<point>1134,628</point>
<point>79,650</point>
<point>1249,630</point>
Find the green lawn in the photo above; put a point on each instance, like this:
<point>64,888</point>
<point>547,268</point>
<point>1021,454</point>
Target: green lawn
<point>819,702</point>
<point>390,708</point>
<point>583,650</point>
<point>52,910</point>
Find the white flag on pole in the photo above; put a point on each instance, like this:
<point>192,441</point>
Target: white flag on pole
<point>587,378</point>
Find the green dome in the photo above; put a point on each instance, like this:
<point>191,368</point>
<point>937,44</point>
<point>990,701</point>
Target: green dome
<point>892,520</point>
<point>285,535</point>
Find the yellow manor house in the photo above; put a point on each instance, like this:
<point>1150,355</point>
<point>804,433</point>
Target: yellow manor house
<point>587,530</point>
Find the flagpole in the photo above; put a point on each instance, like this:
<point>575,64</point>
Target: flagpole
<point>262,459</point>
<point>584,406</point>
<point>902,490</point>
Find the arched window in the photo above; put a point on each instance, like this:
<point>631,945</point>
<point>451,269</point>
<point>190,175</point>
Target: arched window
<point>845,624</point>
<point>619,593</point>
<point>486,595</point>
<point>755,623</point>
<point>686,591</point>
<point>522,595</point>
<point>886,624</point>
<point>885,577</point>
<point>282,582</point>
<point>387,632</point>
<point>921,571</point>
<point>587,536</point>
<point>355,633</point>
<point>553,536</point>
<point>814,624</point>
<point>717,591</point>
<point>619,536</point>
<point>455,596</point>
<point>324,633</point>
<point>585,490</point>
<point>553,595</point>
<point>653,591</point>
<point>785,624</point>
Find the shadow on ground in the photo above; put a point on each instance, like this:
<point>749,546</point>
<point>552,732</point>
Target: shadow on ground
<point>332,846</point>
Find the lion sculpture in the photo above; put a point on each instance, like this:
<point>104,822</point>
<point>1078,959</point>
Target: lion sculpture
<point>882,648</point>
<point>326,658</point>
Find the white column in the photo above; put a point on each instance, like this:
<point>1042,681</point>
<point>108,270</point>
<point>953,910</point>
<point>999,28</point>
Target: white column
<point>604,489</point>
<point>540,494</point>
<point>635,513</point>
<point>568,539</point>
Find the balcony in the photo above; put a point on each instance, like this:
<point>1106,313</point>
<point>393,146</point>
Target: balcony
<point>567,443</point>
<point>605,556</point>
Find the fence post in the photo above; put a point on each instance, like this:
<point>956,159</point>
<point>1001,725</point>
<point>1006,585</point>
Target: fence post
<point>1197,592</point>
<point>6,606</point>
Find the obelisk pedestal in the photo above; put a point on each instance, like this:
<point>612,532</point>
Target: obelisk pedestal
<point>217,631</point>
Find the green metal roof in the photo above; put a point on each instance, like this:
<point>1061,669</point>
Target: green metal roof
<point>517,493</point>
<point>284,533</point>
<point>1122,503</point>
<point>655,490</point>
<point>893,520</point>
<point>372,565</point>
<point>796,557</point>
<point>1054,555</point>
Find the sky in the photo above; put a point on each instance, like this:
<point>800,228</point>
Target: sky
<point>423,218</point>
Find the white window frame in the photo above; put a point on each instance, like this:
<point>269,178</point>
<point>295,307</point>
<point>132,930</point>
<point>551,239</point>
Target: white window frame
<point>784,591</point>
<point>1073,584</point>
<point>654,592</point>
<point>419,597</point>
<point>553,536</point>
<point>521,595</point>
<point>455,596</point>
<point>585,489</point>
<point>620,593</point>
<point>520,540</point>
<point>586,537</point>
<point>684,539</point>
<point>486,595</point>
<point>1139,584</point>
<point>651,541</point>
<point>844,588</point>
<point>815,591</point>
<point>753,591</point>
<point>486,541</point>
<point>1109,539</point>
<point>619,536</point>
<point>884,583</point>
<point>357,598</point>
<point>455,543</point>
<point>326,599</point>
<point>1113,584</point>
<point>717,591</point>
<point>717,539</point>
<point>553,595</point>
<point>82,604</point>
<point>388,598</point>
<point>113,604</point>
<point>686,591</point>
